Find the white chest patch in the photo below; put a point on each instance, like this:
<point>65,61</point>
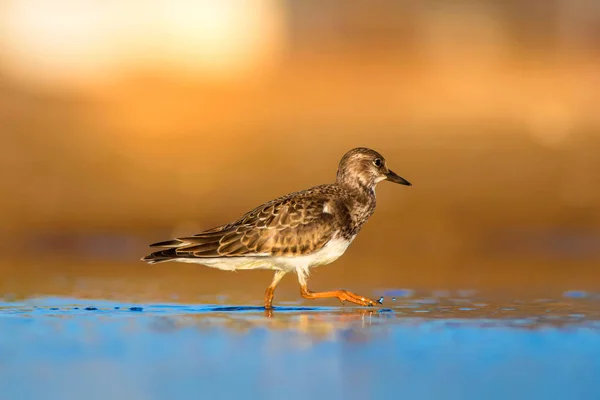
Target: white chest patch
<point>329,253</point>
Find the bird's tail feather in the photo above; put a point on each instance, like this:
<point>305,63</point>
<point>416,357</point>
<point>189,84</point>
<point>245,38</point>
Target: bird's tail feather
<point>205,244</point>
<point>168,243</point>
<point>160,256</point>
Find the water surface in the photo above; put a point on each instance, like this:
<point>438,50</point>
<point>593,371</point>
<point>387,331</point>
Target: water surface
<point>421,347</point>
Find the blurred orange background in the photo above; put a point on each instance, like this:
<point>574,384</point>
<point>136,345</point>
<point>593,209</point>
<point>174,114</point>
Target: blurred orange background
<point>125,123</point>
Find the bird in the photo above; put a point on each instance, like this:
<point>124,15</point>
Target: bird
<point>295,232</point>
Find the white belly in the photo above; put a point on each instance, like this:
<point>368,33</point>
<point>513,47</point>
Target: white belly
<point>328,254</point>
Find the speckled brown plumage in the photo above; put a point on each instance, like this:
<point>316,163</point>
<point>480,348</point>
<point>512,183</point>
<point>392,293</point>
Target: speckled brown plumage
<point>288,226</point>
<point>295,225</point>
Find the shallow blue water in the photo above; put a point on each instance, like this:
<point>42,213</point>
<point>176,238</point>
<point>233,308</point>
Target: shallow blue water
<point>424,348</point>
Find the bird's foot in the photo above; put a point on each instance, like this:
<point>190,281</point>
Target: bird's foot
<point>345,295</point>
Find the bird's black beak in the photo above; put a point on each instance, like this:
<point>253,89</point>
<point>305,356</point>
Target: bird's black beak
<point>393,177</point>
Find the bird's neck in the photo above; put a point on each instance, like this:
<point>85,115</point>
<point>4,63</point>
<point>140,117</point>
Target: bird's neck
<point>361,204</point>
<point>357,186</point>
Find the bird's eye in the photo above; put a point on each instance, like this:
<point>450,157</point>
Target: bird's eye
<point>377,162</point>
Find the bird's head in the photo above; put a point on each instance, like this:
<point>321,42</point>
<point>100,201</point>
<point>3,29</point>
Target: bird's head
<point>365,168</point>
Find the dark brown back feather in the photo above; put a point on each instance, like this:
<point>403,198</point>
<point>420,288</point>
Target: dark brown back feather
<point>288,226</point>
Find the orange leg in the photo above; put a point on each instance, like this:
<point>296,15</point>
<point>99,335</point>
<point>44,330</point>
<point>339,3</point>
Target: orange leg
<point>270,292</point>
<point>342,295</point>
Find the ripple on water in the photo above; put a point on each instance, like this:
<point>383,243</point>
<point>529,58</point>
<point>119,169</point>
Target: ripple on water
<point>575,294</point>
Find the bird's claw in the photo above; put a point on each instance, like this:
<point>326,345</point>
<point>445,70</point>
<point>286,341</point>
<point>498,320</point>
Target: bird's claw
<point>358,300</point>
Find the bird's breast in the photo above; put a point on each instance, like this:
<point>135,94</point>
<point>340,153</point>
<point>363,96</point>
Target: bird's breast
<point>330,252</point>
<point>326,255</point>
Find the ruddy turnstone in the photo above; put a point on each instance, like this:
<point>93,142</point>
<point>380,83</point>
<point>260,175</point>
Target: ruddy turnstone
<point>293,233</point>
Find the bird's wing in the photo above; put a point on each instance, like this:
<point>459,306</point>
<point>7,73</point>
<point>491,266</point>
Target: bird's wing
<point>283,227</point>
